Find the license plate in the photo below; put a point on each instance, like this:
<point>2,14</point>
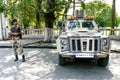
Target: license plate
<point>84,55</point>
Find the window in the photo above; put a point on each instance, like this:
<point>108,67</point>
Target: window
<point>73,24</point>
<point>87,25</point>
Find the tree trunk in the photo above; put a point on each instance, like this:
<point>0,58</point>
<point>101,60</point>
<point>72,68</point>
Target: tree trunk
<point>49,37</point>
<point>49,20</point>
<point>37,20</point>
<point>38,2</point>
<point>25,26</point>
<point>113,17</point>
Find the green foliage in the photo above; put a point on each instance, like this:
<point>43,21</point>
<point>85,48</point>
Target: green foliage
<point>21,10</point>
<point>26,11</point>
<point>101,12</point>
<point>54,5</point>
<point>117,23</point>
<point>45,13</point>
<point>2,7</point>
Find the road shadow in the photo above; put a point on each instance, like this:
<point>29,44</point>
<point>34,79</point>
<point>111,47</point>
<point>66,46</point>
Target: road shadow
<point>78,70</point>
<point>42,64</point>
<point>9,69</point>
<point>81,71</point>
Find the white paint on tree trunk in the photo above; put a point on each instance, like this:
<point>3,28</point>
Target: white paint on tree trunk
<point>49,35</point>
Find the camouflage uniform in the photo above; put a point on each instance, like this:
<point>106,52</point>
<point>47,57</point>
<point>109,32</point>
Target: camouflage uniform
<point>17,43</point>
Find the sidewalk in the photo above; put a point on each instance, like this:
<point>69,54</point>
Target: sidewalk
<point>28,43</point>
<point>116,38</point>
<point>115,43</point>
<point>115,46</point>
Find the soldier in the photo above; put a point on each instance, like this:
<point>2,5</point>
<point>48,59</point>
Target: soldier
<point>16,35</point>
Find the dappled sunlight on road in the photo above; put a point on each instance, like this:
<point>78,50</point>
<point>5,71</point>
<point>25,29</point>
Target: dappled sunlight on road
<point>43,64</point>
<point>115,65</point>
<point>115,45</point>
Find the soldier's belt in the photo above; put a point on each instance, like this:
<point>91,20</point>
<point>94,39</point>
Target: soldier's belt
<point>16,38</point>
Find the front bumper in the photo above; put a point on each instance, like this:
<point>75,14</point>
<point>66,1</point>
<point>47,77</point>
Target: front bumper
<point>84,55</point>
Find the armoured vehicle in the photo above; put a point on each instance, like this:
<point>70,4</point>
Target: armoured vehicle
<point>81,38</point>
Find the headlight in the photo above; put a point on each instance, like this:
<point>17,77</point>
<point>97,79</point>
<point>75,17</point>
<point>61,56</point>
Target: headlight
<point>63,41</point>
<point>104,42</point>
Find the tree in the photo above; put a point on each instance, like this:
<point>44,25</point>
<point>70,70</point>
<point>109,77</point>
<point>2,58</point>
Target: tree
<point>101,12</point>
<point>66,9</point>
<point>30,12</point>
<point>113,16</point>
<point>1,6</point>
<point>20,9</point>
<point>83,4</point>
<point>51,9</point>
<point>38,8</point>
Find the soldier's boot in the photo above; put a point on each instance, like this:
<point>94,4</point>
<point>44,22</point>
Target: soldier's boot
<point>23,58</point>
<point>16,58</point>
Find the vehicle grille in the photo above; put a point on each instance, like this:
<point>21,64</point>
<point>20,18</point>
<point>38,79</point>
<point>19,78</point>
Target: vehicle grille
<point>84,44</point>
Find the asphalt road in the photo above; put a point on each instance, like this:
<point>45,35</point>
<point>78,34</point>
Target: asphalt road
<point>42,64</point>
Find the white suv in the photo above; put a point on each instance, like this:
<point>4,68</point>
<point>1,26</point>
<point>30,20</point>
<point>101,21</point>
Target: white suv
<point>81,38</point>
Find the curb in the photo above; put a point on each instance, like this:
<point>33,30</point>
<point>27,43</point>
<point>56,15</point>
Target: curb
<point>116,51</point>
<point>48,47</point>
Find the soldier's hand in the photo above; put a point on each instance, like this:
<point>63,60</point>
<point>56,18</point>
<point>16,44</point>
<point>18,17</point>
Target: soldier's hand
<point>10,33</point>
<point>22,33</point>
<point>15,34</point>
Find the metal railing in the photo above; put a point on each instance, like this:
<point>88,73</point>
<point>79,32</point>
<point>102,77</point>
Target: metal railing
<point>108,31</point>
<point>38,33</point>
<point>57,31</point>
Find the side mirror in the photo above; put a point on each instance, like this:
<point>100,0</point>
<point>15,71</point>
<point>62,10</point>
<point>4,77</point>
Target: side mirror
<point>101,24</point>
<point>60,24</point>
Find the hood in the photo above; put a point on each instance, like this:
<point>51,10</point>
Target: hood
<point>83,33</point>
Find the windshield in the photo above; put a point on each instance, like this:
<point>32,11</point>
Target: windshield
<point>87,25</point>
<point>73,24</point>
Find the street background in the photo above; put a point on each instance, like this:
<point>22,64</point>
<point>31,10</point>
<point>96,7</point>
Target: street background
<point>42,63</point>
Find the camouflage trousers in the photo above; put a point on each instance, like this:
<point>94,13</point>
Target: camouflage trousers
<point>17,46</point>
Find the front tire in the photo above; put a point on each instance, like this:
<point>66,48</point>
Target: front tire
<point>62,61</point>
<point>103,61</point>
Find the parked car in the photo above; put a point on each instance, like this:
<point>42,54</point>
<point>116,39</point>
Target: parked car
<point>81,38</point>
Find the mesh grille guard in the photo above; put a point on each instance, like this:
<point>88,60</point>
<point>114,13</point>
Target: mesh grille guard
<point>84,44</point>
